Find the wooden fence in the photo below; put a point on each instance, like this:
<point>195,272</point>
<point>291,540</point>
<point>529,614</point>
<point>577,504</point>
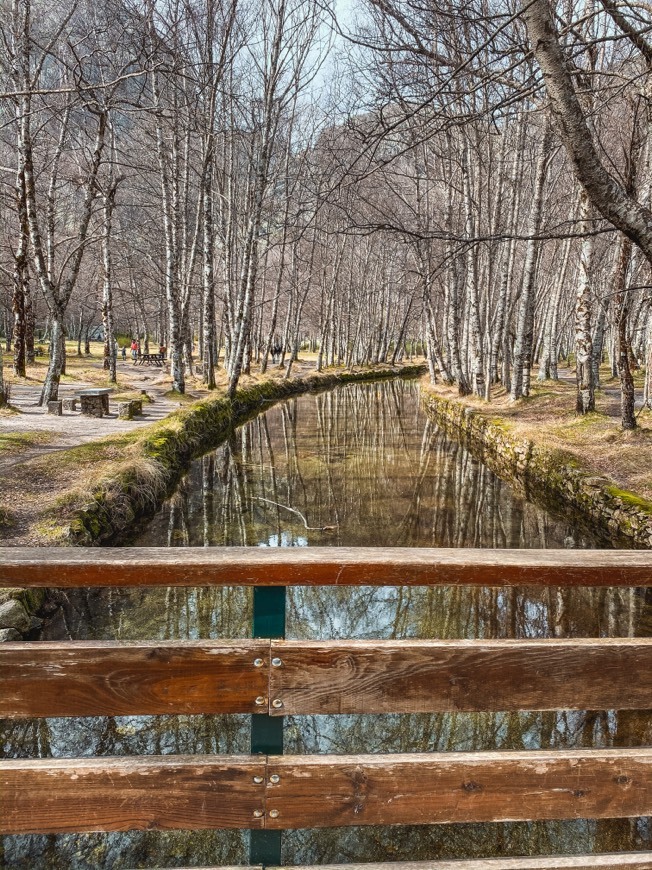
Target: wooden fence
<point>270,677</point>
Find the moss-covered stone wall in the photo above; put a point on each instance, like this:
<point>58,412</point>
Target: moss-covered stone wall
<point>548,476</point>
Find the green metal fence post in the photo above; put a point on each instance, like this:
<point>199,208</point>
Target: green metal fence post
<point>267,731</point>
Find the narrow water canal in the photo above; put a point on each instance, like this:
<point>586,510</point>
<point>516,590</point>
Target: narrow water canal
<point>359,466</point>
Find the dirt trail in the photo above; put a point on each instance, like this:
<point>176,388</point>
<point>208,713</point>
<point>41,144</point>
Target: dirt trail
<point>610,391</point>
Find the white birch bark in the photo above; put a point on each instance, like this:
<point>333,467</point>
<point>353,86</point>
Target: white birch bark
<point>525,321</point>
<point>583,339</point>
<point>607,194</point>
<point>474,324</point>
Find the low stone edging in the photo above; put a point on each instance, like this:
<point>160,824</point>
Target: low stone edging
<point>619,516</point>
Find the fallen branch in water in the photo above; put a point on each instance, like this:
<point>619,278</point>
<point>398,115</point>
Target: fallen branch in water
<point>299,514</point>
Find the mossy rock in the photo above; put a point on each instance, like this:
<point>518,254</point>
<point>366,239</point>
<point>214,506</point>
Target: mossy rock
<point>630,499</point>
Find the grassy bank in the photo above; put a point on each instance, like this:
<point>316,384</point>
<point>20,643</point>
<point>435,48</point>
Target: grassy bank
<point>588,464</point>
<point>126,477</point>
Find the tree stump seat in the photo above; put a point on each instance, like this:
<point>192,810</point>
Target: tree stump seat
<point>55,408</point>
<point>70,404</point>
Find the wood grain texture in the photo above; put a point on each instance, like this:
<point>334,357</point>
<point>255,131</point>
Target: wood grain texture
<point>213,566</point>
<point>406,676</point>
<point>123,794</point>
<point>205,792</point>
<point>615,861</point>
<point>97,678</point>
<point>330,791</point>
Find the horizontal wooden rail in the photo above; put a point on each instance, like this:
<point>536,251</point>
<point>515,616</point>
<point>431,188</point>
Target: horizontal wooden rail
<point>217,566</point>
<point>614,861</point>
<point>408,676</point>
<point>281,792</point>
<point>96,678</point>
<point>132,794</point>
<point>329,791</point>
<point>108,678</point>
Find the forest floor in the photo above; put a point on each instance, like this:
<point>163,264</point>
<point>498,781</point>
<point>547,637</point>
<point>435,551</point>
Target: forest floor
<point>45,459</point>
<point>597,441</point>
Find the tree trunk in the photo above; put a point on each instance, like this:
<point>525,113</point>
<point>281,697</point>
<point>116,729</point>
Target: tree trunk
<point>598,341</point>
<point>208,287</point>
<point>20,323</point>
<point>621,315</point>
<point>583,340</point>
<point>57,363</point>
<point>525,324</point>
<point>474,325</point>
<point>20,281</point>
<point>2,383</point>
<point>107,284</point>
<point>607,195</point>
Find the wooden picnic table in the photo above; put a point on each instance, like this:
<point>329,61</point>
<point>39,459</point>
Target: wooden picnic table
<point>147,359</point>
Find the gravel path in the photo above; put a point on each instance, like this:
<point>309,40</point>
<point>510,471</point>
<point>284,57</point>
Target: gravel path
<point>72,428</point>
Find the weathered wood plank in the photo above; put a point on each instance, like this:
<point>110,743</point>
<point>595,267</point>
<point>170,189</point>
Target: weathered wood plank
<point>97,678</point>
<point>122,794</point>
<point>614,860</point>
<point>195,792</point>
<point>407,676</point>
<point>329,791</point>
<point>206,566</point>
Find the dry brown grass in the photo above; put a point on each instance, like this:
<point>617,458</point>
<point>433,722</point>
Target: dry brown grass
<point>597,440</point>
<point>35,489</point>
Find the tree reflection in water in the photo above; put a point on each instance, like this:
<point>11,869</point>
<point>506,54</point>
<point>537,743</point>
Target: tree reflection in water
<point>365,461</point>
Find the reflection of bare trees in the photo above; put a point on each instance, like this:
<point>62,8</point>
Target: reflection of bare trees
<point>363,459</point>
<point>366,460</point>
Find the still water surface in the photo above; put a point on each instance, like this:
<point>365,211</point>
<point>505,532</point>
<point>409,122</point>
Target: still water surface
<point>358,466</point>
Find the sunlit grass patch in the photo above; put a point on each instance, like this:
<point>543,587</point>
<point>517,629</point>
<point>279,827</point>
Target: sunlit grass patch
<point>14,442</point>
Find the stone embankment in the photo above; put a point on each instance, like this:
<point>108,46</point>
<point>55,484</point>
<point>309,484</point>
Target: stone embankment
<point>546,475</point>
